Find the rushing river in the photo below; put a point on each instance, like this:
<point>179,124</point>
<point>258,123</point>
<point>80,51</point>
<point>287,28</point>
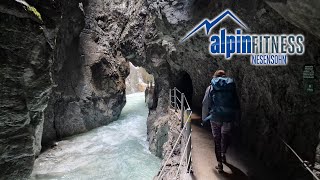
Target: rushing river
<point>118,151</point>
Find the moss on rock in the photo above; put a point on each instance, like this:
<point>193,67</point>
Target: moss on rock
<point>34,11</point>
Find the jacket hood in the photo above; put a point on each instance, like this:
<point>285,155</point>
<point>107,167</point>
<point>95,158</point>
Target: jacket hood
<point>222,83</point>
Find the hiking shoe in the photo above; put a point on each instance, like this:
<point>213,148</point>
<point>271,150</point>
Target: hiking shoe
<point>223,158</point>
<point>219,167</point>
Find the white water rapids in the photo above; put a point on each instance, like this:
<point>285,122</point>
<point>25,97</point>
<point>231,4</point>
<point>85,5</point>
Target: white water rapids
<point>118,151</point>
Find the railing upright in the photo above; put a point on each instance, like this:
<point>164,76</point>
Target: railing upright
<point>185,133</point>
<point>182,110</point>
<point>169,98</point>
<point>175,99</point>
<point>188,131</point>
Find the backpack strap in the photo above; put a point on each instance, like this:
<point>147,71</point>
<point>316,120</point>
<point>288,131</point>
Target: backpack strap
<point>211,91</point>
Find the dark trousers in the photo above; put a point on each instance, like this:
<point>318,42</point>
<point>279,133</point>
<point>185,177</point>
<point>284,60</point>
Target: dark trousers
<point>221,132</point>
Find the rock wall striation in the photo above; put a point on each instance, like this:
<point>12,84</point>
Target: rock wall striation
<point>273,100</point>
<point>73,60</point>
<point>26,58</point>
<point>89,73</point>
<point>61,74</point>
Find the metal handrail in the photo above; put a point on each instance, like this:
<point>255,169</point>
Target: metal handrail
<point>184,152</point>
<point>178,100</point>
<point>300,159</point>
<point>176,143</point>
<point>178,104</point>
<point>189,160</point>
<point>187,102</point>
<point>178,90</point>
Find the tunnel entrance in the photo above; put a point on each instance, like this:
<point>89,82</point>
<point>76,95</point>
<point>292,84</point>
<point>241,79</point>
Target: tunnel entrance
<point>184,84</point>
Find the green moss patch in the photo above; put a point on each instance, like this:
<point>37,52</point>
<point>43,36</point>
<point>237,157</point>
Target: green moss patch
<point>34,11</point>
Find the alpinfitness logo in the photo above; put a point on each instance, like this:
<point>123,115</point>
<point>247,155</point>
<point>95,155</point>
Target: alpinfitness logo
<point>265,49</point>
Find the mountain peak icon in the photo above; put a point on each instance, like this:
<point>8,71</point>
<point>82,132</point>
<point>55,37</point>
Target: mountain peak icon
<point>210,24</point>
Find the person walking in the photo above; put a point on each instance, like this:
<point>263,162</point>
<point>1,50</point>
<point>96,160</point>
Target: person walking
<point>223,105</point>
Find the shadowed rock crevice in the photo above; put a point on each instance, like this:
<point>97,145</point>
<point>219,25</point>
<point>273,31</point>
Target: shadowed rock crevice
<point>66,73</point>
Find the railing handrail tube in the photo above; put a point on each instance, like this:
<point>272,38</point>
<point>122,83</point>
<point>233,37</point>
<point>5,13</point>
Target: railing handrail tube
<point>176,106</point>
<point>178,90</point>
<point>187,103</point>
<point>184,127</point>
<point>184,152</point>
<point>176,143</point>
<point>300,159</point>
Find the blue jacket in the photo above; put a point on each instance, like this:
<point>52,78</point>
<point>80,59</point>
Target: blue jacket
<point>223,99</point>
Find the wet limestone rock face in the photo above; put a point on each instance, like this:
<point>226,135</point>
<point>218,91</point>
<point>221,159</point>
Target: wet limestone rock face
<point>89,73</point>
<point>273,100</point>
<point>25,83</point>
<point>60,76</point>
<point>87,44</point>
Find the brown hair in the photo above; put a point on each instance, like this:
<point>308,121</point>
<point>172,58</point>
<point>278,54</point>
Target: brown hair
<point>219,73</point>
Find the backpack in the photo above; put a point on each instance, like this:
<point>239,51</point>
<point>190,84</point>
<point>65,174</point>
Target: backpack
<point>224,99</point>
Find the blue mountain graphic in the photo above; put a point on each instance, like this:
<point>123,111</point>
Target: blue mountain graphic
<point>209,25</point>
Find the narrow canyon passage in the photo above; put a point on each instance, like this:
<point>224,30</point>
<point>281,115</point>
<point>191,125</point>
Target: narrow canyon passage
<point>65,72</point>
<point>116,151</point>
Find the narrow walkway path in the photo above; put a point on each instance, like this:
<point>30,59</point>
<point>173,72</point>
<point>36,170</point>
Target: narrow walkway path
<point>239,167</point>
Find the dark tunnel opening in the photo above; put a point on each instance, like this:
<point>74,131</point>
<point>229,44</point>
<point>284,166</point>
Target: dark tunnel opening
<point>184,84</point>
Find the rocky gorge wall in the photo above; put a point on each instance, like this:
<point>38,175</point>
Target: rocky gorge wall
<point>273,101</point>
<point>73,62</point>
<point>61,74</point>
<point>89,73</point>
<point>163,135</point>
<point>26,58</point>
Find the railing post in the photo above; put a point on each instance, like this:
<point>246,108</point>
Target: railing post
<point>182,110</point>
<point>169,97</point>
<point>175,99</point>
<point>188,132</point>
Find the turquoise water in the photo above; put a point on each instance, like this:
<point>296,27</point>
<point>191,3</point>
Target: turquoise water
<point>118,151</point>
